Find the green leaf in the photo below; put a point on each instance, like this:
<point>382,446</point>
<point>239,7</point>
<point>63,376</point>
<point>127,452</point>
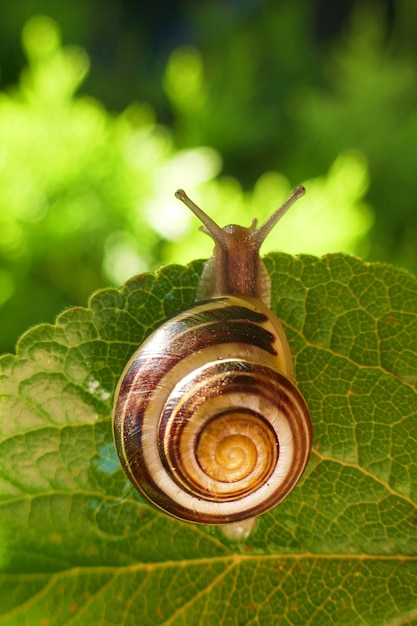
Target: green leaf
<point>79,546</point>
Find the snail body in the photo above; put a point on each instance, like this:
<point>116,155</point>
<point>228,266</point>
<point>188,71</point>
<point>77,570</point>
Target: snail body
<point>208,423</point>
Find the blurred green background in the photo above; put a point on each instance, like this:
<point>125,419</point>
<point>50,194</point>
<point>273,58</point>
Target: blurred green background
<point>107,108</point>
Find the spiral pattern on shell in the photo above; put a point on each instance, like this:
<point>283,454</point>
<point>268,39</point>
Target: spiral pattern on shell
<point>208,423</point>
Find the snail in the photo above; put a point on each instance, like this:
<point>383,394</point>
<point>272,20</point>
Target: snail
<point>208,422</point>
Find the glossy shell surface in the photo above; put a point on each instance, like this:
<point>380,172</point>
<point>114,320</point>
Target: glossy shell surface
<point>208,423</point>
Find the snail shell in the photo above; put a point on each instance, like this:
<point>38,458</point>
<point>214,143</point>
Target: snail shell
<point>208,423</point>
